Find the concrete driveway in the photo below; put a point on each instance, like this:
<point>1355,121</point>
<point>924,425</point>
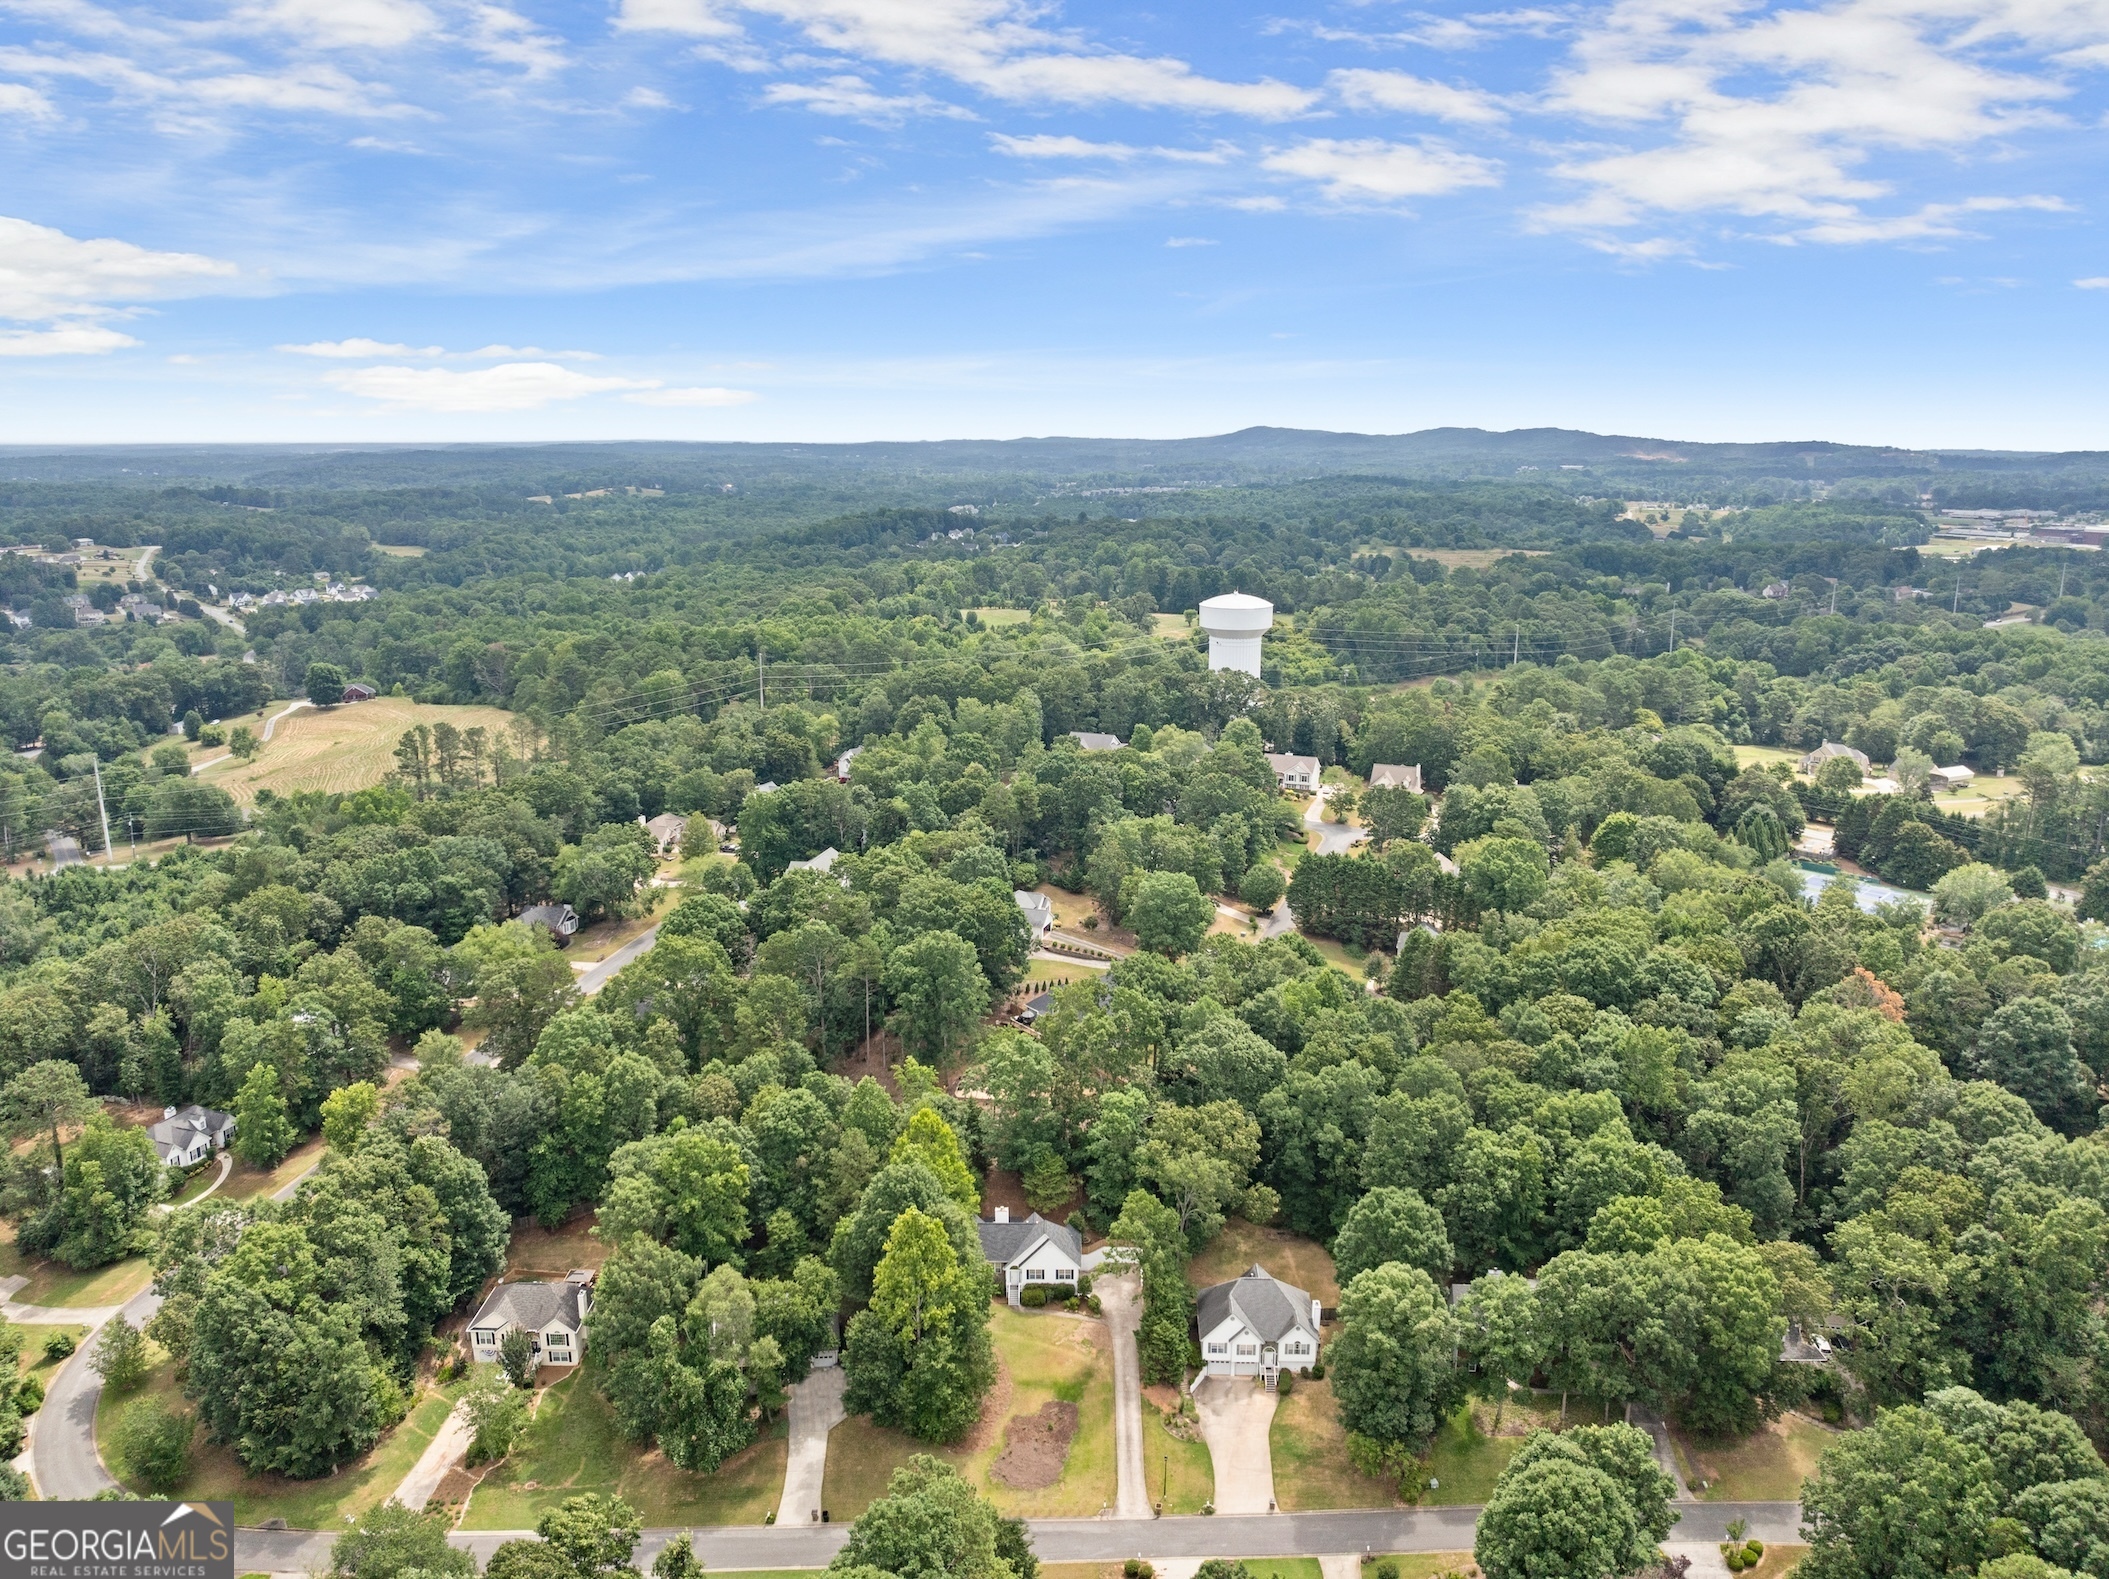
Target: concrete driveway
<point>1122,1299</point>
<point>816,1409</point>
<point>1236,1415</point>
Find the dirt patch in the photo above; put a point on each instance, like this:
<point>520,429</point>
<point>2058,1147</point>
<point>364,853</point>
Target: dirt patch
<point>1037,1447</point>
<point>1164,1396</point>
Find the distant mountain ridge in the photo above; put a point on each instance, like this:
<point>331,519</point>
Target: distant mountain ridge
<point>1250,454</point>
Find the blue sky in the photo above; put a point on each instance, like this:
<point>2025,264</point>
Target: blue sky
<point>1876,220</point>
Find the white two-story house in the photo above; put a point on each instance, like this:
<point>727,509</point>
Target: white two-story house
<point>1032,1250</point>
<point>553,1314</point>
<point>1256,1325</point>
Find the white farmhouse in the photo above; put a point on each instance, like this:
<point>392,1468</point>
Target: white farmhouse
<point>1256,1325</point>
<point>187,1136</point>
<point>553,1314</point>
<point>1032,1251</point>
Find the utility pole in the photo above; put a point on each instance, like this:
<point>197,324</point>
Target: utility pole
<point>1957,606</point>
<point>102,811</point>
<point>1516,657</point>
<point>1673,630</point>
<point>761,680</point>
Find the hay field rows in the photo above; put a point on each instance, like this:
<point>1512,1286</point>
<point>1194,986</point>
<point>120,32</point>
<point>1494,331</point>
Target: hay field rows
<point>338,749</point>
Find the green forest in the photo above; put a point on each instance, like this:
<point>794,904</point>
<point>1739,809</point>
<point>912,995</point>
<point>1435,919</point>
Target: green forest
<point>1587,1089</point>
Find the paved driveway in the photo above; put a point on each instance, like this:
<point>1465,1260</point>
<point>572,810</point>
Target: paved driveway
<point>1121,1297</point>
<point>816,1409</point>
<point>62,1442</point>
<point>1236,1415</point>
<point>1334,838</point>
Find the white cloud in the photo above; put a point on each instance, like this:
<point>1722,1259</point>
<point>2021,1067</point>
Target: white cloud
<point>15,99</point>
<point>65,339</point>
<point>854,98</point>
<point>46,274</point>
<point>1045,145</point>
<point>1778,115</point>
<point>2094,282</point>
<point>344,24</point>
<point>1192,241</point>
<point>647,99</point>
<point>692,397</point>
<point>997,47</point>
<point>509,39</point>
<point>510,386</point>
<point>1368,170</point>
<point>305,88</point>
<point>355,348</point>
<point>1411,95</point>
<point>696,18</point>
<point>358,348</point>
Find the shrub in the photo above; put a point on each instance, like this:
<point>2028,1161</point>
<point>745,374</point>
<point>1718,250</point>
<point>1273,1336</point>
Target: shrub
<point>1388,1568</point>
<point>1754,1550</point>
<point>120,1356</point>
<point>1092,1304</point>
<point>29,1397</point>
<point>1285,1383</point>
<point>154,1443</point>
<point>1083,1285</point>
<point>1318,1370</point>
<point>58,1346</point>
<point>1034,1298</point>
<point>517,1357</point>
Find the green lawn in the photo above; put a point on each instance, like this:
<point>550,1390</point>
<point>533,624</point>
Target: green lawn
<point>51,1283</point>
<point>1283,1567</point>
<point>34,1334</point>
<point>245,1182</point>
<point>217,1475</point>
<point>1425,1565</point>
<point>1466,1461</point>
<point>1768,1465</point>
<point>1309,1449</point>
<point>1294,1259</point>
<point>573,1448</point>
<point>1045,1355</point>
<point>1186,1466</point>
<point>199,1183</point>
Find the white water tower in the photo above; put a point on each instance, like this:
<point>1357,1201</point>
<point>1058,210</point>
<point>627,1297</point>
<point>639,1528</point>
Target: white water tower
<point>1235,623</point>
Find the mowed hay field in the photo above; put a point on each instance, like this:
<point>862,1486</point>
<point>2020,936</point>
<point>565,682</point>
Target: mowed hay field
<point>338,749</point>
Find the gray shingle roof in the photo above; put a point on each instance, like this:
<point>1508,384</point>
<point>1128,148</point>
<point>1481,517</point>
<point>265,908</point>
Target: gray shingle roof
<point>1271,1308</point>
<point>535,1306</point>
<point>1004,1243</point>
<point>177,1133</point>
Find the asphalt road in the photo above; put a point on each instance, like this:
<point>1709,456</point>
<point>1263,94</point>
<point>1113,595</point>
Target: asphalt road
<point>1075,1540</point>
<point>592,980</point>
<point>62,1448</point>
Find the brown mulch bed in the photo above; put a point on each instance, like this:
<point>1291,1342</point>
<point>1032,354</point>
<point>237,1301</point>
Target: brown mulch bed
<point>1038,1446</point>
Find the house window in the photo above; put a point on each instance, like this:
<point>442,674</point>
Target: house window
<point>1065,1274</point>
<point>1219,1348</point>
<point>1036,1274</point>
<point>1247,1350</point>
<point>485,1339</point>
